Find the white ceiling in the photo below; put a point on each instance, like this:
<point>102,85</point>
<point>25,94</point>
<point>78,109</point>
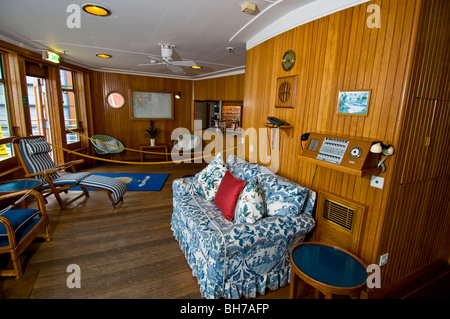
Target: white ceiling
<point>201,30</point>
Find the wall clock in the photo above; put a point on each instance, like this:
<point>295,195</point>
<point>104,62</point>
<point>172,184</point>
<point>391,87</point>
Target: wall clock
<point>288,60</point>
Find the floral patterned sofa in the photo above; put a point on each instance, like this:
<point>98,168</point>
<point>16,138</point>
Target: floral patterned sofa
<point>250,253</point>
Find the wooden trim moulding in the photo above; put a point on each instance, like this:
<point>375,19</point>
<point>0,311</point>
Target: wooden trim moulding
<point>405,282</point>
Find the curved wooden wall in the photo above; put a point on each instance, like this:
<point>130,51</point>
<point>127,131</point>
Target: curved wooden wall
<point>416,230</point>
<point>339,52</point>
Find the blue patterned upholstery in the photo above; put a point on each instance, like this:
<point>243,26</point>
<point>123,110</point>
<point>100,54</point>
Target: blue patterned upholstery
<point>35,155</point>
<point>234,260</point>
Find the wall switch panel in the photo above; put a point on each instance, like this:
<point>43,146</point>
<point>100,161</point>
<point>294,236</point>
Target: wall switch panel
<point>383,260</point>
<point>377,182</point>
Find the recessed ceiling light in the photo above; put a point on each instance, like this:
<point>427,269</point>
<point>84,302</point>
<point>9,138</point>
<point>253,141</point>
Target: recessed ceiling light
<point>196,67</point>
<point>104,56</point>
<point>96,10</point>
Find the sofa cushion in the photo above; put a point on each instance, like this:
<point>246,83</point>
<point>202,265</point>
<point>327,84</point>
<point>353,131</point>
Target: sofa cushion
<point>211,176</point>
<point>250,205</point>
<point>227,194</point>
<point>38,147</point>
<point>241,169</point>
<point>283,197</point>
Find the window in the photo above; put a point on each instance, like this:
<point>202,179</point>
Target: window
<point>69,105</point>
<point>6,150</point>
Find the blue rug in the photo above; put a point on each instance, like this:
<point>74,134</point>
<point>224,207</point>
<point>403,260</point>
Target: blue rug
<point>137,181</point>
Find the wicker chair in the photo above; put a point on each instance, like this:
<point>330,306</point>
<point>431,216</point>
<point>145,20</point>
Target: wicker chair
<point>105,144</point>
<point>19,227</point>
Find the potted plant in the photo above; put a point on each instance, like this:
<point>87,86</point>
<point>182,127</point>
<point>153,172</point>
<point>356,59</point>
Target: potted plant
<point>152,132</point>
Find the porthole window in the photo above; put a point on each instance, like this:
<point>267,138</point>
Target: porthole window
<point>115,100</point>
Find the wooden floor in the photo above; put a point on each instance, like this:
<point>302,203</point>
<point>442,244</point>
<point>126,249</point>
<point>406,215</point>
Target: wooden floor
<point>123,252</point>
<point>127,252</point>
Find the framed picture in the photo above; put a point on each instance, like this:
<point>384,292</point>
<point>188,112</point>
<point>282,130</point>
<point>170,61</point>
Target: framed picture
<point>354,102</point>
<point>286,91</point>
<point>152,105</point>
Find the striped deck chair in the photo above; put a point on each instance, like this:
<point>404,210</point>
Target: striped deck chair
<point>33,153</point>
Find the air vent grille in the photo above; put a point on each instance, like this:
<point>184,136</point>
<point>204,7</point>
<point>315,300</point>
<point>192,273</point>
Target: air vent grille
<point>338,214</point>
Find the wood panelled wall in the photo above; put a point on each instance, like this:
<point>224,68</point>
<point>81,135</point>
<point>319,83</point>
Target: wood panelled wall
<point>118,122</point>
<point>228,88</point>
<point>416,230</point>
<point>340,52</point>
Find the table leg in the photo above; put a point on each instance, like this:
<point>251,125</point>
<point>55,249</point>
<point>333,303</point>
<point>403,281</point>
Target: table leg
<point>293,287</point>
<point>328,295</point>
<point>317,294</point>
<point>355,295</point>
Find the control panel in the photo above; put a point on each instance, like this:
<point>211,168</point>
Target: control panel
<point>332,150</point>
<point>351,155</point>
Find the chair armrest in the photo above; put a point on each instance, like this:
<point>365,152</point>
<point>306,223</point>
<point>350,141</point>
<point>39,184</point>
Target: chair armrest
<point>58,168</point>
<point>9,227</point>
<point>70,165</point>
<point>38,195</point>
<point>46,172</point>
<point>238,238</point>
<point>35,174</point>
<point>10,231</point>
<point>185,186</point>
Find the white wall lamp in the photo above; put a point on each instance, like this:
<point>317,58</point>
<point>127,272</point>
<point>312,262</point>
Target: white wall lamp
<point>386,149</point>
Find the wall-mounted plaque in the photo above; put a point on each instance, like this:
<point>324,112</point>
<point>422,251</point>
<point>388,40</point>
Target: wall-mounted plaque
<point>286,91</point>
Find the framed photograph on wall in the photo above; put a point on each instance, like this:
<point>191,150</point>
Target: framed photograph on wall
<point>354,102</point>
<point>152,105</point>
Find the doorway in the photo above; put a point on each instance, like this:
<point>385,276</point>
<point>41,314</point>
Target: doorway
<point>38,107</point>
<point>209,112</point>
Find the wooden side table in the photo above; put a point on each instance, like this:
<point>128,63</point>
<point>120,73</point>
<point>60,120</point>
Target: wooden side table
<point>146,147</point>
<point>16,185</point>
<point>331,270</point>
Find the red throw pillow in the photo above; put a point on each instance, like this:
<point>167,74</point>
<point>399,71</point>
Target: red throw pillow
<point>227,194</point>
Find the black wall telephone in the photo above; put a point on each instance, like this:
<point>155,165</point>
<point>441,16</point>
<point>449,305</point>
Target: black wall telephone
<point>305,136</point>
<point>274,121</point>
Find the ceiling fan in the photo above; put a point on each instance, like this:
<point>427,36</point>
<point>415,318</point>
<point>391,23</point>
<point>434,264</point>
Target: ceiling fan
<point>166,58</point>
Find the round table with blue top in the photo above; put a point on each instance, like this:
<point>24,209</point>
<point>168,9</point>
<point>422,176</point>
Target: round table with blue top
<point>331,270</point>
<point>16,185</point>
